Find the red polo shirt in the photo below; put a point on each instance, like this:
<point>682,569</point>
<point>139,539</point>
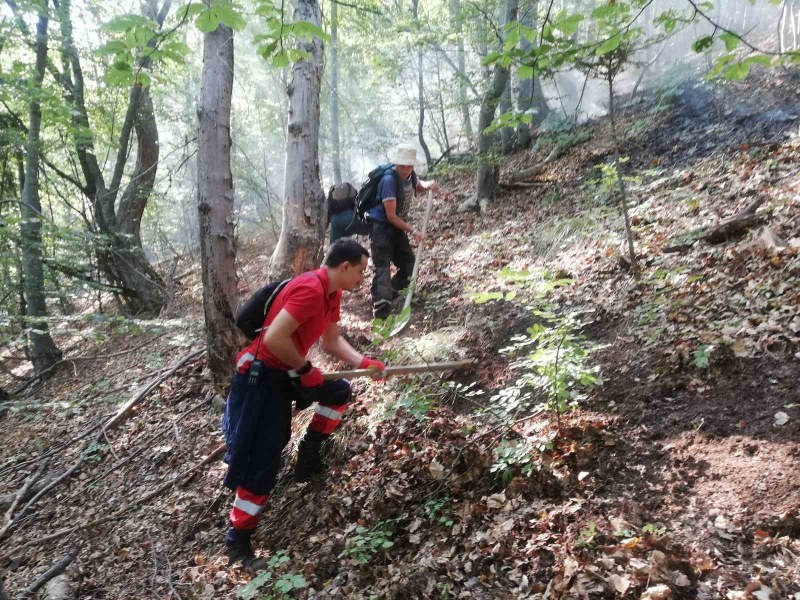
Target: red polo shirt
<point>306,298</point>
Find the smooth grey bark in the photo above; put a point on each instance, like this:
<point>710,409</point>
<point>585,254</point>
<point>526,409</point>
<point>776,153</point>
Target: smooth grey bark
<point>530,95</point>
<point>463,100</point>
<point>43,351</point>
<point>121,256</point>
<point>215,200</point>
<point>303,227</point>
<point>487,168</point>
<point>420,89</point>
<point>335,145</point>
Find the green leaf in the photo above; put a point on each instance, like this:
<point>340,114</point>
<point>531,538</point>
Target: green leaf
<point>525,72</point>
<point>569,25</point>
<point>280,60</point>
<point>758,59</point>
<point>130,39</point>
<point>737,71</point>
<point>251,589</point>
<point>512,39</point>
<point>309,31</point>
<point>206,21</point>
<point>296,55</point>
<point>603,12</point>
<point>143,79</point>
<point>125,23</point>
<point>609,45</point>
<point>113,47</point>
<point>719,65</point>
<point>703,43</point>
<point>227,15</point>
<point>193,8</point>
<point>731,40</point>
<point>116,76</point>
<point>490,58</point>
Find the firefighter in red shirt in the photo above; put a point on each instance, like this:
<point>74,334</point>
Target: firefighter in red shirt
<point>273,372</point>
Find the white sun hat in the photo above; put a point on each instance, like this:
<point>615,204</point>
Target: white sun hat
<point>403,155</point>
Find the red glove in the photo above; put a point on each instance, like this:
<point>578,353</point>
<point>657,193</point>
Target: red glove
<point>372,363</point>
<point>311,379</point>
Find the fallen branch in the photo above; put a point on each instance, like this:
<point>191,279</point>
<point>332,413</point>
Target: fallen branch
<point>92,522</point>
<point>121,415</point>
<point>9,519</point>
<point>7,499</point>
<point>125,410</point>
<point>555,153</point>
<point>722,231</point>
<point>54,571</point>
<point>523,184</point>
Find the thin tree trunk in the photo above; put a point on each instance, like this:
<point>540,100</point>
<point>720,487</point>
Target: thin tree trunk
<point>215,200</point>
<point>781,25</point>
<point>443,115</point>
<point>300,245</point>
<point>463,101</point>
<point>620,181</point>
<point>420,89</point>
<point>337,159</point>
<point>531,97</point>
<point>506,133</point>
<point>44,353</point>
<point>487,169</point>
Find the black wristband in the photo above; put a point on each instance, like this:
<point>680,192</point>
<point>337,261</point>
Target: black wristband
<point>306,368</point>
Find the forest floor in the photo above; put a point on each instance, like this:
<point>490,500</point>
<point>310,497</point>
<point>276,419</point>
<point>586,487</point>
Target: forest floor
<point>675,475</point>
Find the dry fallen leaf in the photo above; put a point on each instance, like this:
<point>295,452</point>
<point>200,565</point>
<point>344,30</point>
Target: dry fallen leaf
<point>621,583</point>
<point>657,592</point>
<point>781,418</point>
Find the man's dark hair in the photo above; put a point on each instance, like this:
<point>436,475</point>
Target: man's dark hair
<point>344,249</point>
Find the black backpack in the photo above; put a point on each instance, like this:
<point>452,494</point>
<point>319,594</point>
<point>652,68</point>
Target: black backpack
<point>368,194</point>
<point>250,317</point>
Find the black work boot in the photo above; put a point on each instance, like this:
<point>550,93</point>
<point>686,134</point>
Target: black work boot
<point>382,309</point>
<point>238,547</point>
<point>309,456</point>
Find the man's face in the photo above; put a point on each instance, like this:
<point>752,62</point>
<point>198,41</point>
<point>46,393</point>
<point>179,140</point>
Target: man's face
<point>353,275</point>
<point>404,171</point>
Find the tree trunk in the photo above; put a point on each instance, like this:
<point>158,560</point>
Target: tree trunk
<point>506,133</point>
<point>300,245</point>
<point>487,168</point>
<point>463,101</point>
<point>120,254</point>
<point>620,181</point>
<point>43,353</point>
<point>781,23</point>
<point>215,200</point>
<point>335,146</point>
<point>420,89</point>
<point>531,97</point>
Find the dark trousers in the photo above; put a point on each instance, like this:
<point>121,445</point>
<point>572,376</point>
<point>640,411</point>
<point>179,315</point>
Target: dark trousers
<point>257,426</point>
<point>389,245</point>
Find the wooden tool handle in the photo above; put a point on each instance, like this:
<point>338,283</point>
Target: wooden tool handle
<point>401,370</point>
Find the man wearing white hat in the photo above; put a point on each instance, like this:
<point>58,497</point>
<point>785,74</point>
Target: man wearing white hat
<point>388,229</point>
